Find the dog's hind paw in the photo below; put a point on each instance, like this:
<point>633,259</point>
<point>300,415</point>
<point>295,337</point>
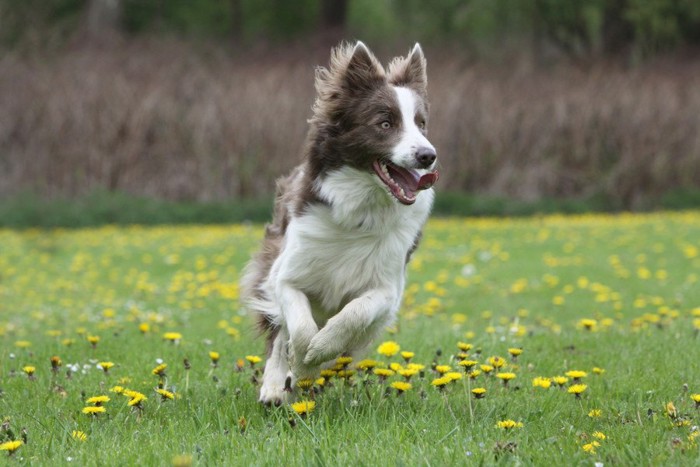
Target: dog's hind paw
<point>276,394</point>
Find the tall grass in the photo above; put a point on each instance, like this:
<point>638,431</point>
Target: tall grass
<point>194,122</point>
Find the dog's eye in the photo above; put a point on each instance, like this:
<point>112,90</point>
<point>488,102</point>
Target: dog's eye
<point>421,124</point>
<point>385,125</point>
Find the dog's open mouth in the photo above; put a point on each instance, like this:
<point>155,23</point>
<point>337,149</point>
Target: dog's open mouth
<point>404,183</point>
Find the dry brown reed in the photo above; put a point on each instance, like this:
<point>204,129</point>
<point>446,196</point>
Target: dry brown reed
<point>177,121</point>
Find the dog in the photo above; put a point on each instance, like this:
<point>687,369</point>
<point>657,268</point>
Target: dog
<point>331,271</point>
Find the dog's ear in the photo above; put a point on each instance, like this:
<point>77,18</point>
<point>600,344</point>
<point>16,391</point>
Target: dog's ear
<point>410,71</point>
<point>363,71</point>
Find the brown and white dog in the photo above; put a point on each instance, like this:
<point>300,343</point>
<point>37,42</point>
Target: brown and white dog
<point>331,272</point>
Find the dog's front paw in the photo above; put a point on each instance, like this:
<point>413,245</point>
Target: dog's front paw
<point>299,341</point>
<point>326,345</point>
<point>276,392</point>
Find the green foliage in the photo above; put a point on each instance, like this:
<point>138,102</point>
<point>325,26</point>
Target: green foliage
<point>100,208</point>
<point>215,18</point>
<point>38,21</point>
<point>576,28</point>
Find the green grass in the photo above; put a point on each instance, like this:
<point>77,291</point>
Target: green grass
<point>493,283</point>
<point>116,208</point>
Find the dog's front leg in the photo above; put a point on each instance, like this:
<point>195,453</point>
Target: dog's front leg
<point>301,326</point>
<point>352,328</point>
<point>274,390</point>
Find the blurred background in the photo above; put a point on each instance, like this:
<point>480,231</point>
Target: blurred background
<point>187,110</point>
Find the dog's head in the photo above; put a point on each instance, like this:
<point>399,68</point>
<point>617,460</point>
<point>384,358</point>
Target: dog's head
<point>376,120</point>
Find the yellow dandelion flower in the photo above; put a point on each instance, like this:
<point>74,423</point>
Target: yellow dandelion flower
<point>388,348</point>
<point>383,373</point>
<point>304,408</point>
<point>367,364</point>
<point>29,370</point>
<point>93,340</point>
<point>105,366</point>
<point>695,398</point>
<point>442,369</point>
<point>509,424</point>
<point>505,377</point>
<point>214,357</point>
<point>588,324</point>
<point>172,336</point>
<point>98,400</point>
<point>474,374</point>
<point>441,382</point>
<point>253,359</point>
<point>160,369</point>
<point>328,373</point>
<point>401,386</point>
<point>56,363</point>
<point>346,373</point>
<point>305,383</point>
<point>486,369</point>
<point>407,373</point>
<point>599,434</point>
<point>577,389</point>
<point>464,347</point>
<point>479,393</point>
<point>598,371</point>
<point>453,375</point>
<point>595,413</point>
<point>407,356</point>
<point>117,389</point>
<point>23,344</point>
<point>11,446</point>
<point>144,328</point>
<point>515,351</point>
<point>468,364</point>
<point>136,399</point>
<point>79,435</point>
<point>671,410</point>
<point>541,382</point>
<point>94,410</point>
<point>320,382</point>
<point>395,366</point>
<point>165,394</point>
<point>497,362</point>
<point>560,380</point>
<point>576,374</point>
<point>344,360</point>
<point>590,447</point>
<point>416,366</point>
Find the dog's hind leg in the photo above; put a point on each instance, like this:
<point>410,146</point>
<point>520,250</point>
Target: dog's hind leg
<point>276,389</point>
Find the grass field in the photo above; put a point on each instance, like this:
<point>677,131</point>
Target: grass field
<point>616,297</point>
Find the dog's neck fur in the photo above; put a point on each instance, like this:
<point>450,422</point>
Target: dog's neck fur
<point>356,201</point>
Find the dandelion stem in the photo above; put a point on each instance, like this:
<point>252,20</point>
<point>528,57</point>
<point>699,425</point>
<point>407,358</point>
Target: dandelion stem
<point>469,400</point>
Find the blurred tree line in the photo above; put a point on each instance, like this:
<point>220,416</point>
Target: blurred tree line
<point>575,28</point>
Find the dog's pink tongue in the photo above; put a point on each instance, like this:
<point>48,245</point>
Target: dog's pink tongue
<point>427,180</point>
<point>410,180</point>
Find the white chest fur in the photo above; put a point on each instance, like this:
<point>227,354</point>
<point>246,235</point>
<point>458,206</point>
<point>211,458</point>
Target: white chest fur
<point>358,242</point>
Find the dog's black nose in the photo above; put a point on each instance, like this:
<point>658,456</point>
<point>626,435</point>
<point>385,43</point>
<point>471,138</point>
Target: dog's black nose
<point>425,156</point>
